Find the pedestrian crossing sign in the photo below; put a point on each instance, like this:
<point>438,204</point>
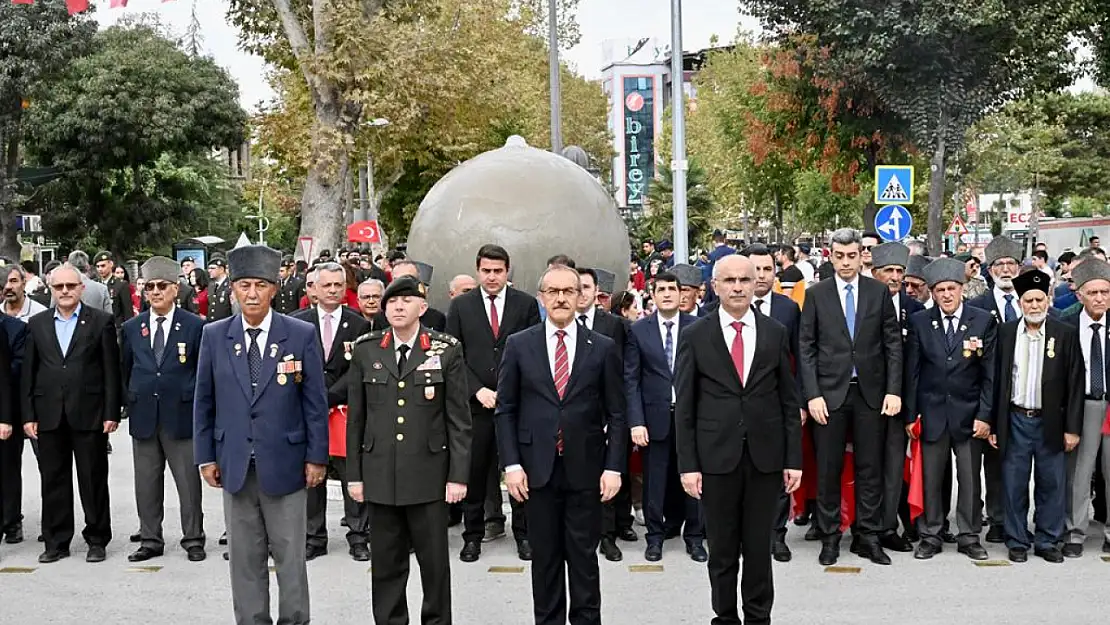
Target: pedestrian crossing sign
<point>894,184</point>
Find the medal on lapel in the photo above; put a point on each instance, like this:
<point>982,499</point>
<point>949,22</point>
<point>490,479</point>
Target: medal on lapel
<point>429,393</point>
<point>1051,351</point>
<point>145,331</point>
<point>273,350</point>
<point>297,377</point>
<point>348,347</point>
<point>181,353</point>
<point>282,379</point>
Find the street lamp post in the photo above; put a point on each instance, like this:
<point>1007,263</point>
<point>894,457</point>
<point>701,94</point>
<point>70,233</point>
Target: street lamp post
<point>553,76</point>
<point>678,116</point>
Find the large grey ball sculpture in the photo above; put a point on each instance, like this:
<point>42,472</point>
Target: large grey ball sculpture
<point>533,203</point>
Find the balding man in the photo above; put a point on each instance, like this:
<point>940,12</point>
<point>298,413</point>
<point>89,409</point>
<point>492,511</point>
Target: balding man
<point>94,294</point>
<point>460,284</point>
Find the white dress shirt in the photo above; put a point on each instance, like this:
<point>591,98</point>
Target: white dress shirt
<point>1000,303</point>
<point>265,327</point>
<point>589,312</point>
<point>498,303</point>
<point>397,343</point>
<point>747,333</point>
<point>765,307</point>
<point>1085,332</point>
<point>336,315</point>
<point>1028,363</point>
<point>958,319</point>
<point>674,342</point>
<point>842,292</point>
<point>166,325</point>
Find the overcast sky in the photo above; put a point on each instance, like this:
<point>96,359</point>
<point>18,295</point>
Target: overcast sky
<point>599,19</point>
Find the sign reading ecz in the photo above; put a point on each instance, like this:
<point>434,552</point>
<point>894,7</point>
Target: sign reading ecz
<point>639,137</point>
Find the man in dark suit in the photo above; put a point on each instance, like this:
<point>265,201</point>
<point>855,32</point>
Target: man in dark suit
<point>408,444</point>
<point>784,310</point>
<point>483,320</point>
<point>888,265</point>
<point>561,434</point>
<point>949,380</point>
<point>290,288</point>
<point>260,430</point>
<point>616,514</point>
<point>219,290</point>
<point>1038,414</point>
<point>159,349</point>
<point>739,437</point>
<point>422,272</point>
<point>11,447</point>
<point>118,289</point>
<point>71,403</point>
<point>336,327</point>
<point>649,386</point>
<point>850,349</point>
<point>186,294</point>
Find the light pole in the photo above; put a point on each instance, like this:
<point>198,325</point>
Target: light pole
<point>678,116</point>
<point>366,176</point>
<point>553,76</point>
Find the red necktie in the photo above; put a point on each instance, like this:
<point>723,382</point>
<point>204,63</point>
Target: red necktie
<point>562,377</point>
<point>494,324</point>
<point>738,350</point>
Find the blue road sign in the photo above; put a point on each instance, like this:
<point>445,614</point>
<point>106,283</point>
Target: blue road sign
<point>893,222</point>
<point>894,184</point>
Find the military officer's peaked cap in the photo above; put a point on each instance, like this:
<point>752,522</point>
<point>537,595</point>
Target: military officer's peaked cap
<point>188,259</point>
<point>1032,280</point>
<point>160,268</point>
<point>217,261</point>
<point>425,271</point>
<point>945,270</point>
<point>254,261</point>
<point>687,275</point>
<point>1090,269</point>
<point>890,254</point>
<point>102,256</point>
<point>916,266</point>
<point>606,280</point>
<point>1003,247</point>
<point>402,287</point>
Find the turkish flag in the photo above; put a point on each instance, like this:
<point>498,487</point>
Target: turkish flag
<point>916,468</point>
<point>337,431</point>
<point>77,6</point>
<point>364,232</point>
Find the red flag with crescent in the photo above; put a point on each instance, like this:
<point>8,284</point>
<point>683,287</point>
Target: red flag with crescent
<point>364,232</point>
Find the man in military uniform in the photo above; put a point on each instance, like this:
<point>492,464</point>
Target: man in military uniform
<point>290,288</point>
<point>219,290</point>
<point>408,451</point>
<point>117,288</point>
<point>186,294</point>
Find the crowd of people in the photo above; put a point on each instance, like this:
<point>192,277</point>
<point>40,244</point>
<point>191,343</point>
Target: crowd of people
<point>717,401</point>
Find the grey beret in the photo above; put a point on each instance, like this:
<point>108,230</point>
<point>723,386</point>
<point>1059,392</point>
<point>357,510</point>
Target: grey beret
<point>687,275</point>
<point>889,254</point>
<point>1090,269</point>
<point>606,280</point>
<point>1003,247</point>
<point>916,266</point>
<point>425,271</point>
<point>945,270</point>
<point>254,261</point>
<point>161,268</point>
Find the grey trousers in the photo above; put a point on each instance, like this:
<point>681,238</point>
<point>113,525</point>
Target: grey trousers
<point>257,525</point>
<point>969,514</point>
<point>1081,469</point>
<point>151,457</point>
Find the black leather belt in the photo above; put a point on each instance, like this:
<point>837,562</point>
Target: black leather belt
<point>1029,412</point>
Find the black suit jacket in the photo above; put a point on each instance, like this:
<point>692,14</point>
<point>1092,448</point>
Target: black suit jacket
<point>613,327</point>
<point>591,413</point>
<point>9,380</point>
<point>714,413</point>
<point>1062,382</point>
<point>467,321</point>
<point>84,385</point>
<point>827,353</point>
<point>338,363</point>
<point>120,291</point>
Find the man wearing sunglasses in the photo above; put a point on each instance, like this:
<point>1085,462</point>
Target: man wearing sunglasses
<point>867,241</point>
<point>159,349</point>
<point>71,403</point>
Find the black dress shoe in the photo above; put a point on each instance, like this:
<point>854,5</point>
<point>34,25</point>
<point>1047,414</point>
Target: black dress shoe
<point>628,535</point>
<point>975,551</point>
<point>53,555</point>
<point>697,552</point>
<point>1017,554</point>
<point>830,553</point>
<point>780,552</point>
<point>471,551</point>
<point>343,522</point>
<point>926,550</point>
<point>14,536</point>
<point>876,554</point>
<point>653,553</point>
<point>41,538</point>
<point>911,534</point>
<point>856,547</point>
<point>811,533</point>
<point>610,550</point>
<point>96,554</point>
<point>311,552</point>
<point>223,539</point>
<point>996,534</point>
<point>142,554</point>
<point>195,553</point>
<point>1072,550</point>
<point>1049,554</point>
<point>524,550</point>
<point>360,553</point>
<point>802,519</point>
<point>135,538</point>
<point>894,542</point>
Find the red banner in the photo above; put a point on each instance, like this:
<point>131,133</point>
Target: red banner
<point>337,431</point>
<point>916,468</point>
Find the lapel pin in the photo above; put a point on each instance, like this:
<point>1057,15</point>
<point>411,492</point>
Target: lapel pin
<point>377,365</point>
<point>177,326</point>
<point>273,350</point>
<point>238,349</point>
<point>344,324</point>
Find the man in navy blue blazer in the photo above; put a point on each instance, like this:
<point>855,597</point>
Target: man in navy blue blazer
<point>159,349</point>
<point>260,430</point>
<point>648,377</point>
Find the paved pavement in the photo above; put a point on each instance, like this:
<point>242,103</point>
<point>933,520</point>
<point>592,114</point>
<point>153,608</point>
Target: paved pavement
<point>948,589</point>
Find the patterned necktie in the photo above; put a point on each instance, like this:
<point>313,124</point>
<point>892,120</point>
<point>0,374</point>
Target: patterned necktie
<point>1010,313</point>
<point>159,340</point>
<point>254,356</point>
<point>850,310</point>
<point>668,345</point>
<point>738,350</point>
<point>329,336</point>
<point>562,377</point>
<point>403,359</point>
<point>494,323</point>
<point>1098,375</point>
<point>950,335</point>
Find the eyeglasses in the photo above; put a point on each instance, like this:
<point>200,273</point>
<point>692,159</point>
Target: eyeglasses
<point>65,286</point>
<point>369,298</point>
<point>159,286</point>
<point>571,292</point>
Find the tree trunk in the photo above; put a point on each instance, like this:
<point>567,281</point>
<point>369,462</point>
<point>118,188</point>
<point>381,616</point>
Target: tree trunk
<point>9,168</point>
<point>325,188</point>
<point>936,186</point>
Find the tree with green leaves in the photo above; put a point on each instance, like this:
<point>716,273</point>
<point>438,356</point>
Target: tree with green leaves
<point>658,219</point>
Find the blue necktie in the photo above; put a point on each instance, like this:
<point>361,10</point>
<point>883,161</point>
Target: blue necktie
<point>850,310</point>
<point>254,357</point>
<point>1009,314</point>
<point>668,345</point>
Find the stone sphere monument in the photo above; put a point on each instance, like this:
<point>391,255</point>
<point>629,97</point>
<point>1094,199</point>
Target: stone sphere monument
<point>533,203</point>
